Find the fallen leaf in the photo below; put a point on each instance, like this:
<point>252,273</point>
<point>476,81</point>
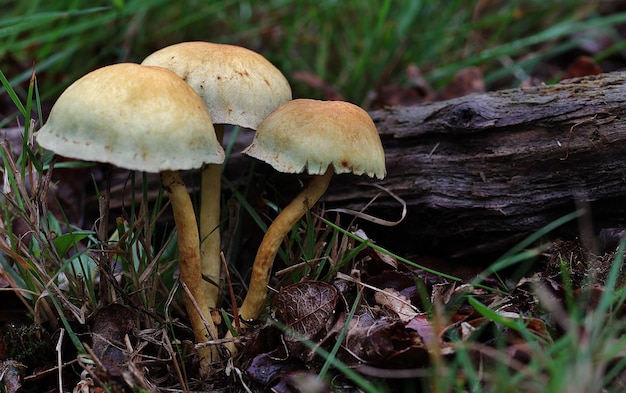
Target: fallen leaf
<point>424,327</point>
<point>11,376</point>
<point>396,302</point>
<point>383,342</point>
<point>109,327</point>
<point>466,81</point>
<point>308,309</point>
<point>266,368</point>
<point>417,91</point>
<point>583,66</point>
<point>300,382</point>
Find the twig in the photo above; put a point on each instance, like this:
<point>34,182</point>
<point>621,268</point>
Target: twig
<point>197,309</point>
<point>59,358</point>
<point>571,132</point>
<point>342,276</point>
<point>179,374</point>
<point>373,219</point>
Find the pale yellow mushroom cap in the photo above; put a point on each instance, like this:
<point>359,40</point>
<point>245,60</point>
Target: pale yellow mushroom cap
<point>309,135</point>
<point>135,117</point>
<point>239,86</point>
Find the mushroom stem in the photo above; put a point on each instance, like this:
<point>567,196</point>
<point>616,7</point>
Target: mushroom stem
<point>210,243</point>
<point>189,265</point>
<point>257,292</point>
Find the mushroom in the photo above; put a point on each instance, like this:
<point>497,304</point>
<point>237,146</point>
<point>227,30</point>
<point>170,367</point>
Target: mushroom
<point>239,87</point>
<point>322,138</point>
<point>147,119</point>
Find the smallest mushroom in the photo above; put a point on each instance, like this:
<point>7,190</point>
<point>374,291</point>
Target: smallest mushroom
<point>322,138</point>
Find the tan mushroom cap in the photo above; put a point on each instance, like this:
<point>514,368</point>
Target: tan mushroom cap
<point>238,86</point>
<point>135,117</point>
<point>310,135</point>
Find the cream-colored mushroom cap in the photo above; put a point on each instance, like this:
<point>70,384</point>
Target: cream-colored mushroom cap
<point>310,135</point>
<point>135,117</point>
<point>238,86</point>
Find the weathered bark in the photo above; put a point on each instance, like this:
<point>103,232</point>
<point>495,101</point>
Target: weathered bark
<point>484,167</point>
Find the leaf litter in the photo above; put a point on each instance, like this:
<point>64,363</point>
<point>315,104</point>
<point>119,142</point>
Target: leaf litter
<point>399,331</point>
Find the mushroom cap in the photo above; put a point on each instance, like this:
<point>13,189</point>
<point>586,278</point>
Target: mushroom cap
<point>238,86</point>
<point>135,117</point>
<point>310,135</point>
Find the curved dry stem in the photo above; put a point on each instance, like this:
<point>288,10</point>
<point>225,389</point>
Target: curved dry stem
<point>257,292</point>
<point>210,245</point>
<point>189,265</point>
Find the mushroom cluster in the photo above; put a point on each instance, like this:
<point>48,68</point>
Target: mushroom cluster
<point>167,114</point>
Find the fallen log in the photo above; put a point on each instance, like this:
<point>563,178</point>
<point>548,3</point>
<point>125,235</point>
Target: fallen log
<point>488,168</point>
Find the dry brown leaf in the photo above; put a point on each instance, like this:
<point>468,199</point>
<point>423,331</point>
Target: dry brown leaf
<point>109,327</point>
<point>396,302</point>
<point>383,342</point>
<point>308,309</point>
<point>424,327</point>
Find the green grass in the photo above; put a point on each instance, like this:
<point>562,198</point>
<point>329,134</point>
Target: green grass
<point>586,356</point>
